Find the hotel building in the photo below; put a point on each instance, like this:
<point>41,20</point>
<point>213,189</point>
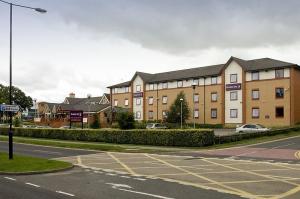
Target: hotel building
<point>262,91</point>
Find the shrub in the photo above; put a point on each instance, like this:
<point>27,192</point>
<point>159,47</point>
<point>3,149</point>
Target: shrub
<point>125,120</point>
<point>187,138</point>
<point>95,124</point>
<point>17,122</point>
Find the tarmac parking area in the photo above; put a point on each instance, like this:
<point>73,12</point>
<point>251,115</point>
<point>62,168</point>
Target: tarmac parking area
<point>249,179</point>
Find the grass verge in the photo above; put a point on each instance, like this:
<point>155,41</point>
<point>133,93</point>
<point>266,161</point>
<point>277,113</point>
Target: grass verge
<point>25,164</point>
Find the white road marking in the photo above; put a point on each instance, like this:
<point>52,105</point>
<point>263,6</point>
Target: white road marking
<point>48,152</point>
<point>125,177</point>
<point>8,178</point>
<point>110,174</point>
<point>34,185</point>
<point>65,193</point>
<point>141,179</point>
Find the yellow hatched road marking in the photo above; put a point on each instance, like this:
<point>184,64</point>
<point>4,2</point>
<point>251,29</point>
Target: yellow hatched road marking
<point>122,164</point>
<point>232,189</point>
<point>288,193</point>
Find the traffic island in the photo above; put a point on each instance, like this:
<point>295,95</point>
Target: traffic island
<point>25,165</point>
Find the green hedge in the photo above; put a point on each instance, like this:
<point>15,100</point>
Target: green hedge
<point>242,136</point>
<point>189,138</point>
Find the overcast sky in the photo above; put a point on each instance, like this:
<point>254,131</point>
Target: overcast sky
<point>83,46</point>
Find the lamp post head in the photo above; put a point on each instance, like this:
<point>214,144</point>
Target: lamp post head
<point>40,10</point>
<point>194,85</point>
<point>181,99</point>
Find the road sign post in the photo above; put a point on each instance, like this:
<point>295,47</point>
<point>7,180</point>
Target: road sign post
<point>11,109</point>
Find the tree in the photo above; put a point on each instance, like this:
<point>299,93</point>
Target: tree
<point>174,114</point>
<point>125,120</point>
<point>18,97</point>
<point>95,124</point>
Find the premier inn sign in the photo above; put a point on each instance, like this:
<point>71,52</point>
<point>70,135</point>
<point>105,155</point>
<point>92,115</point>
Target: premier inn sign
<point>232,87</point>
<point>137,95</point>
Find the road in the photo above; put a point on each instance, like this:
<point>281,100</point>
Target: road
<point>266,170</point>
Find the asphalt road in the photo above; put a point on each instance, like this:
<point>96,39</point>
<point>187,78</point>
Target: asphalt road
<point>92,184</point>
<point>44,151</point>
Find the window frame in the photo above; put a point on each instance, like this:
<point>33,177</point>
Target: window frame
<point>179,86</point>
<point>279,97</point>
<point>276,115</point>
<point>276,73</point>
<point>237,113</point>
<point>252,96</point>
<point>216,80</point>
<point>164,114</point>
<point>126,100</point>
<point>258,75</point>
<point>149,100</point>
<point>255,117</point>
<point>211,96</point>
<point>236,78</point>
<point>196,110</point>
<point>138,86</point>
<point>116,102</point>
<point>163,97</point>
<point>138,99</point>
<point>196,101</point>
<point>211,113</point>
<point>138,113</point>
<point>126,89</point>
<point>151,115</point>
<point>151,87</point>
<point>233,99</point>
<point>165,85</point>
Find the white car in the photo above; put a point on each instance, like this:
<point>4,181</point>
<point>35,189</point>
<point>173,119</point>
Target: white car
<point>155,126</point>
<point>249,128</point>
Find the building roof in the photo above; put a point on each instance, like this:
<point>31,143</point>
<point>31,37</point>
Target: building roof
<point>247,65</point>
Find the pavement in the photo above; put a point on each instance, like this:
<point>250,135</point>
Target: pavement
<point>266,170</point>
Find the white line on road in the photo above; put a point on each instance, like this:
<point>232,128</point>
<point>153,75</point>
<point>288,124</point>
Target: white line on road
<point>49,152</point>
<point>34,185</point>
<point>140,179</point>
<point>125,177</point>
<point>143,193</point>
<point>65,193</point>
<point>8,178</point>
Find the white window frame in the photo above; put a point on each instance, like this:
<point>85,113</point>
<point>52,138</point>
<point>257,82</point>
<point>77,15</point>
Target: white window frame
<point>233,78</point>
<point>256,114</point>
<point>234,113</point>
<point>214,80</point>
<point>212,115</point>
<point>126,89</point>
<point>151,87</point>
<point>277,73</point>
<point>253,75</point>
<point>165,85</point>
<point>152,115</point>
<point>126,102</point>
<point>196,98</point>
<point>196,113</point>
<point>179,84</point>
<point>254,97</point>
<point>138,88</point>
<point>214,96</point>
<point>150,100</point>
<point>138,101</point>
<point>165,99</point>
<point>232,94</point>
<point>115,102</point>
<point>138,115</point>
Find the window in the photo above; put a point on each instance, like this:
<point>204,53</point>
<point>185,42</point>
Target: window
<point>116,90</point>
<point>151,87</point>
<point>150,115</point>
<point>233,78</point>
<point>116,102</point>
<point>233,113</point>
<point>164,99</point>
<point>279,93</point>
<point>279,112</point>
<point>233,95</point>
<point>164,114</point>
<point>179,84</point>
<point>195,81</point>
<point>255,94</point>
<point>196,113</point>
<point>255,112</point>
<point>126,103</point>
<point>279,73</point>
<point>150,100</point>
<point>214,113</point>
<point>138,88</point>
<point>138,101</point>
<point>138,115</point>
<point>127,89</point>
<point>214,80</point>
<point>255,75</point>
<point>214,97</point>
<point>165,85</point>
<point>196,98</point>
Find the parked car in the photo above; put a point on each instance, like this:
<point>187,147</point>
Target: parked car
<point>155,126</point>
<point>249,128</point>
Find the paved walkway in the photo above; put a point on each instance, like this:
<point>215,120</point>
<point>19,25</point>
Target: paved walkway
<point>249,179</point>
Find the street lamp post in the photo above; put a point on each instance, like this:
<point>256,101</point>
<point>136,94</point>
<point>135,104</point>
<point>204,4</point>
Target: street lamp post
<point>194,87</point>
<point>10,133</point>
<point>181,100</point>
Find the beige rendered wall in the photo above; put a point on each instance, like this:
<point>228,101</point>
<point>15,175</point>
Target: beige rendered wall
<point>268,102</point>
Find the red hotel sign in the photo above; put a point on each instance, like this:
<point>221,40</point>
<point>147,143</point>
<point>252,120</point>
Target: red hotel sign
<point>232,87</point>
<point>76,116</point>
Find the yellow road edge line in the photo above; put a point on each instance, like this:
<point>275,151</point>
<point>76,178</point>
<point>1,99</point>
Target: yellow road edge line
<point>122,164</point>
<point>233,190</point>
<point>288,193</point>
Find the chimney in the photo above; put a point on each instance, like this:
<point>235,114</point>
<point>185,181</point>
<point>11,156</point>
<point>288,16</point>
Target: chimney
<point>72,95</point>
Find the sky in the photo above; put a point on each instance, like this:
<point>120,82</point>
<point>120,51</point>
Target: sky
<point>83,46</point>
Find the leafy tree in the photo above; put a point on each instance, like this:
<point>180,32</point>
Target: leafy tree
<point>96,123</point>
<point>125,120</point>
<point>17,122</point>
<point>174,114</point>
<point>18,97</point>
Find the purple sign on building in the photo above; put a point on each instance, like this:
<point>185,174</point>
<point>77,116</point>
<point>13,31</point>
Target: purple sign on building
<point>136,95</point>
<point>231,87</point>
<point>76,116</point>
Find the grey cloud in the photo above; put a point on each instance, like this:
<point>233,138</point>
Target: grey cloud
<point>186,25</point>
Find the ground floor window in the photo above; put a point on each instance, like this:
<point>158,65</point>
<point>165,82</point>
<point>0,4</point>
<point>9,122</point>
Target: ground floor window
<point>150,115</point>
<point>233,113</point>
<point>279,112</point>
<point>214,113</point>
<point>164,114</point>
<point>196,113</point>
<point>255,112</point>
<point>138,115</point>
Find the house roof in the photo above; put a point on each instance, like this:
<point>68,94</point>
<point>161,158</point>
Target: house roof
<point>247,65</point>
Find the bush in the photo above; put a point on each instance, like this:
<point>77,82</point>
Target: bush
<point>95,124</point>
<point>17,122</point>
<point>125,120</point>
<point>187,138</point>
